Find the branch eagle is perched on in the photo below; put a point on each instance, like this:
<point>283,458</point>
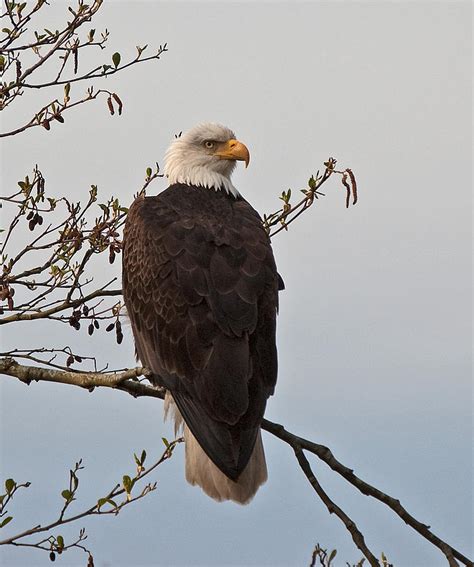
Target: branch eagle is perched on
<point>201,289</point>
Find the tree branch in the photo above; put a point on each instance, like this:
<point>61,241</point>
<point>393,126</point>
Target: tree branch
<point>66,43</point>
<point>325,454</point>
<point>45,314</point>
<point>103,506</point>
<point>351,527</point>
<point>88,380</point>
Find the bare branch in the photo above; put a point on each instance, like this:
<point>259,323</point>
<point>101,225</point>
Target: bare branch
<point>357,536</point>
<point>45,314</point>
<point>54,111</point>
<point>88,380</point>
<point>325,454</point>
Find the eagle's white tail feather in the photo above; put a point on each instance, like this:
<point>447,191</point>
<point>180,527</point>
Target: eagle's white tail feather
<point>170,407</point>
<point>202,471</point>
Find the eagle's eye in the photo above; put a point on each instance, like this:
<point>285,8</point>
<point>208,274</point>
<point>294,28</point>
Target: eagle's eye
<point>209,144</point>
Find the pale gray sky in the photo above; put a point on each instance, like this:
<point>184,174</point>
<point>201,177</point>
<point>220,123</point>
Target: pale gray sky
<point>375,322</point>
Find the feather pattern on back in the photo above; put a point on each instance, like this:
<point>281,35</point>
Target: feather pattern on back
<point>201,289</point>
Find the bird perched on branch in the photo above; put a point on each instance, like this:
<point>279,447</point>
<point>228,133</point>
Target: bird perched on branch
<point>201,289</point>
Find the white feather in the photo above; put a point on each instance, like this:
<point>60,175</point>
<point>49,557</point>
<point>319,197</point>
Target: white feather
<point>187,162</point>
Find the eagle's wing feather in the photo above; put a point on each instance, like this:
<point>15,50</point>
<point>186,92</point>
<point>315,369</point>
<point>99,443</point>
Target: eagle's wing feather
<point>200,285</point>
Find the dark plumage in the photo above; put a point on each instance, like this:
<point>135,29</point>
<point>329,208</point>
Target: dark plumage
<point>201,286</point>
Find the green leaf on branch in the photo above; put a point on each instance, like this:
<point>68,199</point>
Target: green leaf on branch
<point>102,501</point>
<point>6,521</point>
<point>20,8</point>
<point>127,483</point>
<point>67,495</point>
<point>140,461</point>
<point>60,542</point>
<point>10,485</point>
<point>116,59</point>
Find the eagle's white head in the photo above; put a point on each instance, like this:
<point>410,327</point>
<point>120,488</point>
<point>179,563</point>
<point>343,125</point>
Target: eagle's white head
<point>206,156</point>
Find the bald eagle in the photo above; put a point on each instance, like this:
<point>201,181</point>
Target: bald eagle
<point>201,290</point>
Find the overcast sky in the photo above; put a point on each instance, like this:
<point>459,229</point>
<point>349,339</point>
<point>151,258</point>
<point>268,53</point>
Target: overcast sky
<point>375,323</point>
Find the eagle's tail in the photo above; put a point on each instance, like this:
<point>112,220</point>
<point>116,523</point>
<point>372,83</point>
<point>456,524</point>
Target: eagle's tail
<point>202,471</point>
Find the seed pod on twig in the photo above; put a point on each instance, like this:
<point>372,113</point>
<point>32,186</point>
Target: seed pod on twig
<point>119,102</point>
<point>110,104</point>
<point>118,332</point>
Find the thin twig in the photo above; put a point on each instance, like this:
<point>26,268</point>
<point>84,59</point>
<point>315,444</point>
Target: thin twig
<point>96,508</point>
<point>351,527</point>
<point>25,316</point>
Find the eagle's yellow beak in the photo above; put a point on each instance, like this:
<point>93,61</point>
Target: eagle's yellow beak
<point>233,149</point>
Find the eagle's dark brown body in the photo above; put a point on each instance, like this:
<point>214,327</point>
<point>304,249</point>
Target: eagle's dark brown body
<point>201,289</point>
